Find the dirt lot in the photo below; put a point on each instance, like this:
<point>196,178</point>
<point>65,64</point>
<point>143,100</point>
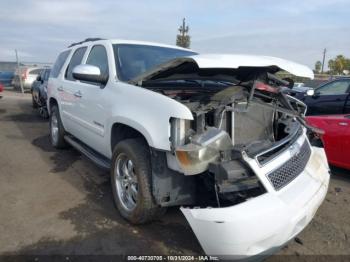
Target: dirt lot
<point>58,202</point>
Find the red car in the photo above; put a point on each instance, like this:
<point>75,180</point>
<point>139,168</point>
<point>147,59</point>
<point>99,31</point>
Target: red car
<point>1,89</point>
<point>336,139</point>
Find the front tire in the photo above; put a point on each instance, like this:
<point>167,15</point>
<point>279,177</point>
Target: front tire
<point>43,112</point>
<point>34,103</point>
<point>131,182</point>
<point>57,132</point>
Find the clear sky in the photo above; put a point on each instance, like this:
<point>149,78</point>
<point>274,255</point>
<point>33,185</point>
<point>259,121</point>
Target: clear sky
<point>295,30</point>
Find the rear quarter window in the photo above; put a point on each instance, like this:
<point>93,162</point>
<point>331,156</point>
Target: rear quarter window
<point>55,71</point>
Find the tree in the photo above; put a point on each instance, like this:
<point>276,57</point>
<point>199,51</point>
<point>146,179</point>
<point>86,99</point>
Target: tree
<point>339,64</point>
<point>331,66</point>
<point>183,39</point>
<point>318,66</point>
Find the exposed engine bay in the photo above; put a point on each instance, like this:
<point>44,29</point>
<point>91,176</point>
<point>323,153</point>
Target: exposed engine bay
<point>238,158</point>
<point>246,113</point>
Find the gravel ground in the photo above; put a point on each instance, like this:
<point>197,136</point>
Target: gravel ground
<point>58,202</point>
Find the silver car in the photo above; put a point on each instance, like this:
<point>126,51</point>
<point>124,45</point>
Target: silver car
<point>28,74</point>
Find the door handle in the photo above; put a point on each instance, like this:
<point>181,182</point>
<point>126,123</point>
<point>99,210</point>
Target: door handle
<point>60,88</point>
<point>78,94</point>
<point>343,124</point>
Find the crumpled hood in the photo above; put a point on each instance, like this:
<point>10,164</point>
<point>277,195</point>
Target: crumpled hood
<point>227,61</point>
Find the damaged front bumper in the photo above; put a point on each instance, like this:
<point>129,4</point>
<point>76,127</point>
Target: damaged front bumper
<point>261,224</point>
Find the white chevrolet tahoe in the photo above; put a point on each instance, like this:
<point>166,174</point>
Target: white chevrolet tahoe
<point>217,135</point>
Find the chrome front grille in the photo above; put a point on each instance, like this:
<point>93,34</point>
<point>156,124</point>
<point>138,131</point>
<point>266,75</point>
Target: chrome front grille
<point>283,175</point>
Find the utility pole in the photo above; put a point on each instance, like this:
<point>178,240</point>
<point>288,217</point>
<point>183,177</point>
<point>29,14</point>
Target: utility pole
<point>324,56</point>
<point>183,30</point>
<point>183,39</point>
<point>19,72</point>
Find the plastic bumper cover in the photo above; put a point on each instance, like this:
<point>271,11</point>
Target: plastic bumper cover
<point>263,223</point>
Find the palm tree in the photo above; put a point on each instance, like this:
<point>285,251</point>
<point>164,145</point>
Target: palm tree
<point>331,66</point>
<point>340,63</point>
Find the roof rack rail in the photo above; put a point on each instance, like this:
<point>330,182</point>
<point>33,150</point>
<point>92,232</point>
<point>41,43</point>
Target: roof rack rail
<point>90,39</point>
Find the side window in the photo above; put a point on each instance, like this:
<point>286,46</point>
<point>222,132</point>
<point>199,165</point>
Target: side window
<point>55,71</point>
<point>98,57</point>
<point>334,88</point>
<point>76,59</point>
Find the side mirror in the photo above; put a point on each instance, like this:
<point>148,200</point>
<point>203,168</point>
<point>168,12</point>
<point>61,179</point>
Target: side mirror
<point>89,73</point>
<point>38,78</point>
<point>310,92</point>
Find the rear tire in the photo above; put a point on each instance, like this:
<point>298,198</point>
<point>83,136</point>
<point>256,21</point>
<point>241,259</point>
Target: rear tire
<point>131,182</point>
<point>57,131</point>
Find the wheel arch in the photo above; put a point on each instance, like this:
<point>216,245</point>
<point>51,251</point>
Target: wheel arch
<point>51,102</point>
<point>121,131</point>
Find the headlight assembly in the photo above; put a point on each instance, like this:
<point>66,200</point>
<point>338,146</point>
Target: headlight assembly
<point>195,157</point>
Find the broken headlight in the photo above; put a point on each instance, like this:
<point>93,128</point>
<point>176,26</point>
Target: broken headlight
<point>203,149</point>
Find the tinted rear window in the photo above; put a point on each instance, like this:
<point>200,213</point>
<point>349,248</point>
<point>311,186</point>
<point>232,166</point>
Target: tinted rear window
<point>55,71</point>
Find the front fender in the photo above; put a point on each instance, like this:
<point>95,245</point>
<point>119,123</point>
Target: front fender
<point>148,112</point>
<point>133,124</point>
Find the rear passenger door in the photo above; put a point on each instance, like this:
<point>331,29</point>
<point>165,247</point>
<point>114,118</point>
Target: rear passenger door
<point>69,90</point>
<point>54,87</point>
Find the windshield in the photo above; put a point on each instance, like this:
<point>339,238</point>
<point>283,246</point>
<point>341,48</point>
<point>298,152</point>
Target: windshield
<point>133,60</point>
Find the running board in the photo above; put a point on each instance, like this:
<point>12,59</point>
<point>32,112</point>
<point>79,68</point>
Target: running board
<point>94,156</point>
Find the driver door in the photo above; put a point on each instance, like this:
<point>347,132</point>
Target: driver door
<point>91,110</point>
